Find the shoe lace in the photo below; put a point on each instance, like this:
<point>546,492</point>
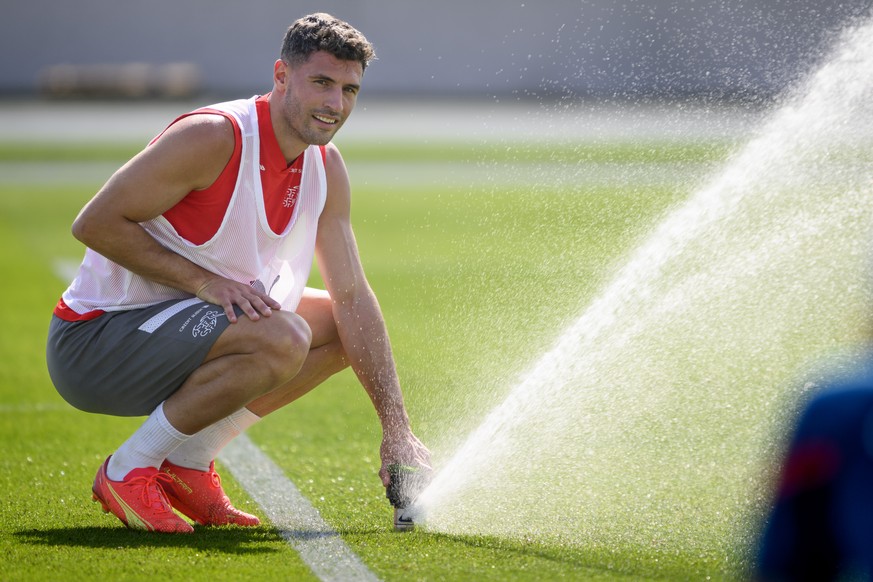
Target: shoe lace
<point>152,493</point>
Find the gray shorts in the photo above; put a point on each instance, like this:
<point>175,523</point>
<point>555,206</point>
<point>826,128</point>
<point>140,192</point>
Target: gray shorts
<point>125,363</point>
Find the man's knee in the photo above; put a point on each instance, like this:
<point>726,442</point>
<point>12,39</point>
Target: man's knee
<point>289,340</point>
<point>279,344</point>
<point>284,349</point>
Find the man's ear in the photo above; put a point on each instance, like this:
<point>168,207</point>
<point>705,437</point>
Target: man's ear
<point>280,75</point>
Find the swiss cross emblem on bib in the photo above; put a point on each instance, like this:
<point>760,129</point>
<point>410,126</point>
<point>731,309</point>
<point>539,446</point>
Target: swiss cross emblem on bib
<point>291,196</point>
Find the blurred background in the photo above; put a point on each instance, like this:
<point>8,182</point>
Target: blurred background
<point>526,49</point>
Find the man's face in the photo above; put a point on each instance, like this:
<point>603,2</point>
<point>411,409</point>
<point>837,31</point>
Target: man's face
<point>317,96</point>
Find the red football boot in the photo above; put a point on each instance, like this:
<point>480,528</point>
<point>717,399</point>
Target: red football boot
<point>198,494</point>
<point>139,500</point>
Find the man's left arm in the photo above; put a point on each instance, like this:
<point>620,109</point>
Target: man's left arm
<point>360,323</point>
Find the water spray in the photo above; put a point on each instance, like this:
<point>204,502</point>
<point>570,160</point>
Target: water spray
<point>688,359</point>
<point>407,482</point>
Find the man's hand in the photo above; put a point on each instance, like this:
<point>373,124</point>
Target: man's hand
<point>402,448</point>
<point>227,293</point>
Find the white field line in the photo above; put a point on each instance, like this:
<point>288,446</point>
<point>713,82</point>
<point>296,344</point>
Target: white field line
<point>320,547</point>
<point>296,519</point>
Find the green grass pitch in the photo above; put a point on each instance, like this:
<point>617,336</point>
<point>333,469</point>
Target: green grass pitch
<point>459,266</point>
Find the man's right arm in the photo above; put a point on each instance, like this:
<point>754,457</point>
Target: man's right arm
<point>190,155</point>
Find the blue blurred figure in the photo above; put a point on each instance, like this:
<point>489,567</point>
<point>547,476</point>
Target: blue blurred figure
<point>821,524</point>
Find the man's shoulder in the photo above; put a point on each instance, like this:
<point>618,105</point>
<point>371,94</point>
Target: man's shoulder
<point>237,108</point>
<point>219,117</point>
<point>203,126</point>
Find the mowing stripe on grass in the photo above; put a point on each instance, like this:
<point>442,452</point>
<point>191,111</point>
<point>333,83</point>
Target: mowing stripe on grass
<point>27,407</point>
<point>296,519</point>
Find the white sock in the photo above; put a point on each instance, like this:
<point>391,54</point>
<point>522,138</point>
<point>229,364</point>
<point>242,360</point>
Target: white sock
<point>147,447</point>
<point>200,450</point>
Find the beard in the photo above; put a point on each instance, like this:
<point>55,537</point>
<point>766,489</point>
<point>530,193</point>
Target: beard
<point>301,123</point>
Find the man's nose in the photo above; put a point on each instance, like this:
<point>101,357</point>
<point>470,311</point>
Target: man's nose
<point>333,100</point>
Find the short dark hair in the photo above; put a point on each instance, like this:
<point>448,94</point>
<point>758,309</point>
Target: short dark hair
<point>323,32</point>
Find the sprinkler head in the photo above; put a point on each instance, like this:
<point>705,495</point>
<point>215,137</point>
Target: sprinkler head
<point>407,482</point>
<point>403,520</point>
